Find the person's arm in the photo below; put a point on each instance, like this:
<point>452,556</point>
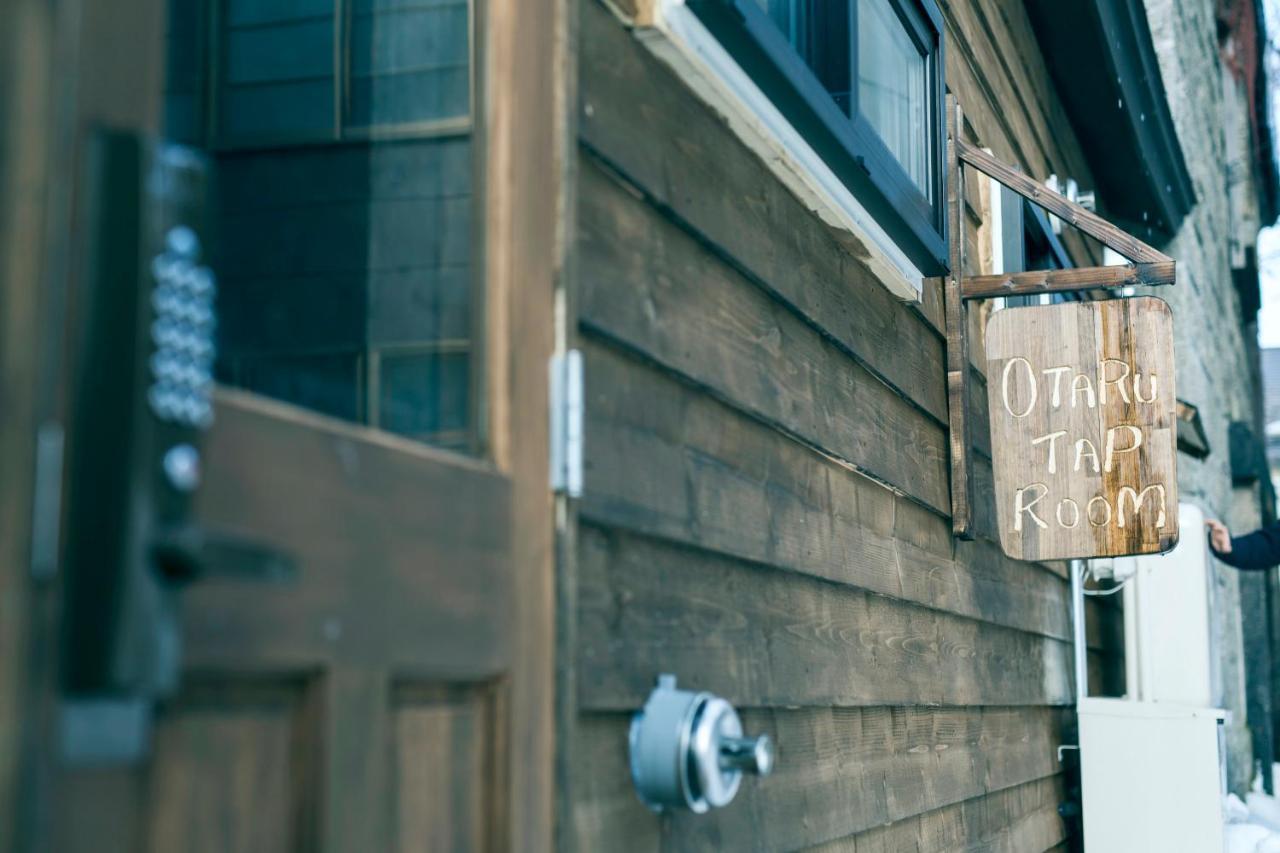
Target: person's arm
<point>1254,551</point>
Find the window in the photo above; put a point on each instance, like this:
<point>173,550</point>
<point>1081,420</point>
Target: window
<point>893,88</point>
<point>290,72</point>
<point>861,81</point>
<point>1023,240</point>
<point>345,202</point>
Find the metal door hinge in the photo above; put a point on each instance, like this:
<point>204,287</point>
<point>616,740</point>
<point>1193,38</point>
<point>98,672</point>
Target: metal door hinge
<point>566,423</point>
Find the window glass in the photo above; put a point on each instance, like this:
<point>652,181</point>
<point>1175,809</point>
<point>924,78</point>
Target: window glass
<point>861,82</point>
<point>892,74</point>
<point>346,280</point>
<point>344,257</point>
<point>276,70</point>
<point>819,32</point>
<point>410,62</point>
<point>893,88</point>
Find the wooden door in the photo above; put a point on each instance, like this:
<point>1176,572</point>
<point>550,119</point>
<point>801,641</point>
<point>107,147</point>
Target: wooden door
<point>388,268</point>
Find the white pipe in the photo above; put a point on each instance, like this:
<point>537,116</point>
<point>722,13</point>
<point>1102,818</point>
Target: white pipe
<point>1132,662</point>
<point>1077,569</point>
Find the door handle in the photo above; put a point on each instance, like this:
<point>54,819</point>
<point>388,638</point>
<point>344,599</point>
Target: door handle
<point>191,553</point>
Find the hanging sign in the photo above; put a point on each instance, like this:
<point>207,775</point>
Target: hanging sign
<point>1084,428</point>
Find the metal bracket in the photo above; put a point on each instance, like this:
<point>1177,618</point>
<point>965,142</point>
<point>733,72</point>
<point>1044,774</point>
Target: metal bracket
<point>1149,267</point>
<point>566,423</point>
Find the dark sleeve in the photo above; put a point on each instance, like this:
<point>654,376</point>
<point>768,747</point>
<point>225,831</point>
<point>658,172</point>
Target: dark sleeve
<point>1258,550</point>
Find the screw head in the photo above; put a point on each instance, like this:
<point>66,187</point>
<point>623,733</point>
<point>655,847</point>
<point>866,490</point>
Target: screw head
<point>182,241</point>
<point>182,467</point>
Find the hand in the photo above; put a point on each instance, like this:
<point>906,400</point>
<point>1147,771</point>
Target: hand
<point>1219,536</point>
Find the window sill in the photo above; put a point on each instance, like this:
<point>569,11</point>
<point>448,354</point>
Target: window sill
<point>675,35</point>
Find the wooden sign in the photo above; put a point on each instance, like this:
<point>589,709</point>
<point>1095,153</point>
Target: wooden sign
<point>1084,428</point>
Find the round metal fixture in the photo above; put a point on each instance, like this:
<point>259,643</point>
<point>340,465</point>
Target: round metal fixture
<point>688,750</point>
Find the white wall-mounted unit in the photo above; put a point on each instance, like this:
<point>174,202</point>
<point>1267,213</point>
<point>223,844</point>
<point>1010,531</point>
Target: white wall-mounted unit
<point>1149,773</point>
<point>1151,763</point>
<point>1169,648</point>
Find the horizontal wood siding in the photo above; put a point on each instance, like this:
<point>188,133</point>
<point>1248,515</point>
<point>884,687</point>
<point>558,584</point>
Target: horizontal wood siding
<point>1012,820</point>
<point>766,509</point>
<point>842,773</point>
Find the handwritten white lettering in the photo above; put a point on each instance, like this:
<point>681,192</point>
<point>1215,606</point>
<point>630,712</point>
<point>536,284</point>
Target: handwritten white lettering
<point>1112,450</point>
<point>1118,381</point>
<point>1083,383</point>
<point>1004,386</point>
<point>1052,438</point>
<point>1019,507</point>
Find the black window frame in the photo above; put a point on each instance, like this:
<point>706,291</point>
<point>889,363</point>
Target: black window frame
<point>1026,227</point>
<point>848,144</point>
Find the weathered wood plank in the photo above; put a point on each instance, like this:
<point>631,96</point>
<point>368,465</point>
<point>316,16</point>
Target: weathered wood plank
<point>364,491</point>
<point>666,461</point>
<point>605,812</point>
<point>763,637</point>
<point>1076,278</point>
<point>640,118</point>
<point>957,327</point>
<point>1019,48</point>
<point>1105,424</point>
<point>718,481</point>
<point>1070,212</point>
<point>982,765</point>
<point>649,286</point>
<point>1021,819</point>
<point>930,307</point>
<point>991,90</point>
<point>967,80</point>
<point>994,54</point>
<point>612,187</point>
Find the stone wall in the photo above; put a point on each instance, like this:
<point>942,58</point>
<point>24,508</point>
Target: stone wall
<point>1209,111</point>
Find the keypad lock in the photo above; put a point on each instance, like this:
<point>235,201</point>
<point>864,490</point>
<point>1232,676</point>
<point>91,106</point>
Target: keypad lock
<point>181,364</point>
<point>688,750</point>
<point>145,347</point>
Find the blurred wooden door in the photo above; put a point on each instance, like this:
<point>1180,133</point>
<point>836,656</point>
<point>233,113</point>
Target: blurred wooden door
<point>381,418</point>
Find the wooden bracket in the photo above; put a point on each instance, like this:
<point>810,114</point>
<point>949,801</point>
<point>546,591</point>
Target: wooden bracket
<point>957,319</point>
<point>1147,267</point>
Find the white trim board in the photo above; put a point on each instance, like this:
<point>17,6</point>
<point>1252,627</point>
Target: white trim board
<point>675,35</point>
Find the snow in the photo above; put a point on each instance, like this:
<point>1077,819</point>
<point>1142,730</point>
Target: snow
<point>1253,826</point>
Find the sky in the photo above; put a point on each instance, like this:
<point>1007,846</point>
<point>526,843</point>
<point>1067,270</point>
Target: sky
<point>1269,239</point>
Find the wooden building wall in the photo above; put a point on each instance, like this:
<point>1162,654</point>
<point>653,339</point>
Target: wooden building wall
<point>766,503</point>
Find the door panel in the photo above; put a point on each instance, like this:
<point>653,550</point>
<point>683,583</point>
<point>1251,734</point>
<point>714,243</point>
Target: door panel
<point>443,744</point>
<point>403,551</point>
<point>235,767</point>
<point>355,701</point>
<point>394,691</point>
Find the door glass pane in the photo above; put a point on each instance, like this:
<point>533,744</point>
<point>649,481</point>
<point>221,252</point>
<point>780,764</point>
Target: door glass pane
<point>893,92</point>
<point>344,194</point>
<point>275,70</point>
<point>410,62</point>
